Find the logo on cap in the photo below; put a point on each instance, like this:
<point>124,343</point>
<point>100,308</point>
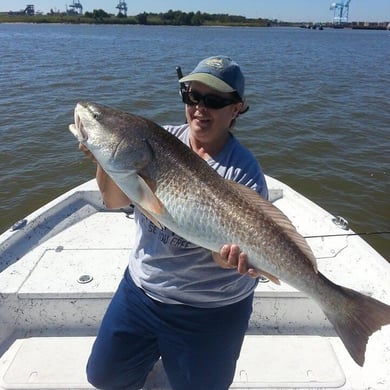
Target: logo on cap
<point>216,63</point>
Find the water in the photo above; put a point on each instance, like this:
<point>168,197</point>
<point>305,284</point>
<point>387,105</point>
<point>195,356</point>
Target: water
<point>319,117</point>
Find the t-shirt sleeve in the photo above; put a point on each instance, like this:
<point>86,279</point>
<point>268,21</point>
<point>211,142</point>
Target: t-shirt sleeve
<point>251,175</point>
<point>237,163</point>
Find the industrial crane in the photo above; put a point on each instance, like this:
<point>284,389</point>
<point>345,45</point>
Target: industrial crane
<point>122,7</point>
<point>75,9</point>
<point>340,12</point>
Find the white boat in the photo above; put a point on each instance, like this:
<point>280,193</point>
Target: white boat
<point>60,267</point>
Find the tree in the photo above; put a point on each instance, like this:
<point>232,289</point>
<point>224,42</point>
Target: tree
<point>197,19</point>
<point>142,18</point>
<point>100,14</point>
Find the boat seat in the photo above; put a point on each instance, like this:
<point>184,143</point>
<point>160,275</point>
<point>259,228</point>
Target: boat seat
<point>265,362</point>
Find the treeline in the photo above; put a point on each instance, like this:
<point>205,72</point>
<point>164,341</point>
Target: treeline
<point>180,18</point>
<point>171,18</point>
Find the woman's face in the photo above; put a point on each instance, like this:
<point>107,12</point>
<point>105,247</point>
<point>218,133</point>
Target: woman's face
<point>210,125</point>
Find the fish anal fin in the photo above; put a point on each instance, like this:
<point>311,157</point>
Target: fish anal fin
<point>218,259</point>
<point>271,277</point>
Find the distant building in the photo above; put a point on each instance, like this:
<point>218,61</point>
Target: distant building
<point>29,10</point>
<point>75,9</point>
<point>370,25</point>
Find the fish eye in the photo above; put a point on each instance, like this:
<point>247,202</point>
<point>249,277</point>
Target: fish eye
<point>96,115</point>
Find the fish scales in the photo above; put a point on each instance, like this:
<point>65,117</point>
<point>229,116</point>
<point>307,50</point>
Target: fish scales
<point>198,198</point>
<point>177,189</point>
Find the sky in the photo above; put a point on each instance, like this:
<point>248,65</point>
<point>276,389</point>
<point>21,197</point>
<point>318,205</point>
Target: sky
<point>286,10</point>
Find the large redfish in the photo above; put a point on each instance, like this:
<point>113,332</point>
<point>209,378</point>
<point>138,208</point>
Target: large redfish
<point>174,187</point>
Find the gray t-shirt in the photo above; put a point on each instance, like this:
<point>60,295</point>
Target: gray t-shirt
<point>172,270</point>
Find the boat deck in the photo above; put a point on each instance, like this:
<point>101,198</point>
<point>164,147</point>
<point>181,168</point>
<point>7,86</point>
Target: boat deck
<point>60,270</point>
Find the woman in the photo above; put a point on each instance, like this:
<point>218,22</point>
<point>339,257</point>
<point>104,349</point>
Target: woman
<point>174,301</point>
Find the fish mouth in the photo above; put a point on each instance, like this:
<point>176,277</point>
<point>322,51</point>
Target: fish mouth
<point>77,128</point>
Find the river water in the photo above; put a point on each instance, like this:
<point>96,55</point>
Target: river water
<point>319,117</point>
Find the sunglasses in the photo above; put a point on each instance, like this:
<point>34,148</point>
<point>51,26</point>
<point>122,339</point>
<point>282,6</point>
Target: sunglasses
<point>193,98</point>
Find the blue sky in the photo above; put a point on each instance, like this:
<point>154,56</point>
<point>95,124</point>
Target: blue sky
<point>288,10</point>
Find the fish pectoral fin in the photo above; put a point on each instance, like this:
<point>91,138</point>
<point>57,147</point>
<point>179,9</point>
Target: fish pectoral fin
<point>271,277</point>
<point>146,199</point>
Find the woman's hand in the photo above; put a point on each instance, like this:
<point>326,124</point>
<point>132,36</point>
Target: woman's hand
<point>87,152</point>
<point>231,257</point>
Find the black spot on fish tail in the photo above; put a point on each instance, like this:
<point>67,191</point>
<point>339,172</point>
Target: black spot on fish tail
<point>357,318</point>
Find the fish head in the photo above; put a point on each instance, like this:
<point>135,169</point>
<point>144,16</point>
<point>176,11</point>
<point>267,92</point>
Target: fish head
<point>115,138</point>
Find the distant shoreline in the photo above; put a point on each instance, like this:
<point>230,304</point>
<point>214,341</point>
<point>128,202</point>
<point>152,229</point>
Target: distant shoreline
<point>143,19</point>
<point>164,20</point>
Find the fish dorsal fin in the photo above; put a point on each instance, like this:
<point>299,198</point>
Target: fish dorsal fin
<point>280,219</point>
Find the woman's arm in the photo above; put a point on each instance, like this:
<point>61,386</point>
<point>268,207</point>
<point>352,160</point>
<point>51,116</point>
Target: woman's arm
<point>113,196</point>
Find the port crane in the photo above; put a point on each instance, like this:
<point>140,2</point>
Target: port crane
<point>340,12</point>
<point>29,10</point>
<point>75,9</point>
<point>122,8</point>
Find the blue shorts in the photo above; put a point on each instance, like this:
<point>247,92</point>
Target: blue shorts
<point>199,347</point>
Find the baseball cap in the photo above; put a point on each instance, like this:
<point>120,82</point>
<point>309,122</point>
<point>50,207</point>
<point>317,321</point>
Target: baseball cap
<point>220,73</point>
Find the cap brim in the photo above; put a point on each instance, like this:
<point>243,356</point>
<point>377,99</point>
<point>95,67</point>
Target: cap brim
<point>209,80</point>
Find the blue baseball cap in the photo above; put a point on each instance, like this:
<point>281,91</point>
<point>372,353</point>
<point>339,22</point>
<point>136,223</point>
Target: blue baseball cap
<point>220,73</point>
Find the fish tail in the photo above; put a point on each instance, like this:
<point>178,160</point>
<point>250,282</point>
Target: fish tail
<point>356,320</point>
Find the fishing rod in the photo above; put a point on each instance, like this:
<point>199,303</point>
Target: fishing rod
<point>183,87</point>
<point>348,234</point>
<point>343,224</point>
